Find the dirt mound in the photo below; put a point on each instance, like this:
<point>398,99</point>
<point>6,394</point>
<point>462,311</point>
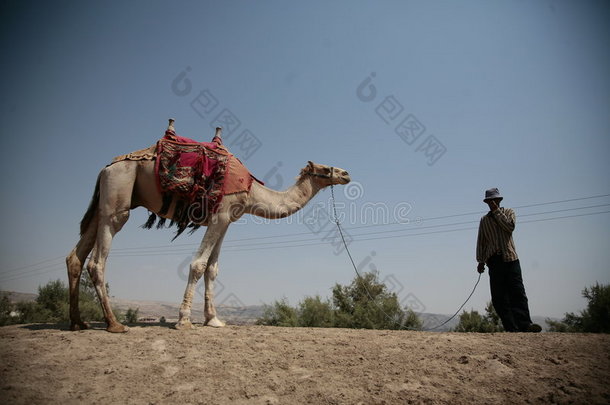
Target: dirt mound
<point>266,365</point>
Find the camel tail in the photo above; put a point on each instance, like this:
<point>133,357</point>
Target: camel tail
<point>93,204</point>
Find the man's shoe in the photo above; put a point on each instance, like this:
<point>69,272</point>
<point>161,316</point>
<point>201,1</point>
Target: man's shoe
<point>534,328</point>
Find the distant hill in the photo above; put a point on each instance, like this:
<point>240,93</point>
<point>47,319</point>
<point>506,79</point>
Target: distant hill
<point>246,315</point>
<point>432,320</point>
<point>19,297</point>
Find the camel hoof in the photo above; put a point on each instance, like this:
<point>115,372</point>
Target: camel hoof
<point>215,323</point>
<point>76,326</point>
<point>184,325</point>
<point>117,328</point>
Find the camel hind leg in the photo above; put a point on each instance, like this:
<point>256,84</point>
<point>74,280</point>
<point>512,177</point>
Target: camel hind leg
<point>116,187</point>
<point>74,263</point>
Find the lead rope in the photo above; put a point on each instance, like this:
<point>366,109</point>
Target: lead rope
<point>336,221</point>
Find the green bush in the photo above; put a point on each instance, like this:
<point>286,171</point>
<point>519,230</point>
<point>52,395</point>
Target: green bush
<point>132,315</point>
<point>313,312</point>
<point>570,323</point>
<point>278,314</point>
<point>53,298</point>
<point>594,319</point>
<point>412,321</point>
<point>33,312</point>
<point>474,322</point>
<point>365,303</point>
<point>52,304</point>
<point>5,311</point>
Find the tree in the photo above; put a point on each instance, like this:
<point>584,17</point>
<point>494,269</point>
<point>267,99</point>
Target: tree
<point>570,323</point>
<point>32,312</point>
<point>162,320</point>
<point>474,322</point>
<point>52,304</point>
<point>412,321</point>
<point>53,299</point>
<point>313,312</point>
<point>279,314</point>
<point>594,319</point>
<point>5,311</point>
<point>365,303</point>
<point>493,317</point>
<point>132,315</point>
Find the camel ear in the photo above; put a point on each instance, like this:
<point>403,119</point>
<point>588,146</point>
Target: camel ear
<point>310,164</point>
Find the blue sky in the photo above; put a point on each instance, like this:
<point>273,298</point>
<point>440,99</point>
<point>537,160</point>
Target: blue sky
<point>509,94</point>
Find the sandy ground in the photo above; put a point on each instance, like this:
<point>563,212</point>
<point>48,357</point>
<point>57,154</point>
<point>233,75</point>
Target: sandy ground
<point>264,365</point>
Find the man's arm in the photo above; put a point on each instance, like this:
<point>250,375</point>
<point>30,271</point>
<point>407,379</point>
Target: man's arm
<point>505,218</point>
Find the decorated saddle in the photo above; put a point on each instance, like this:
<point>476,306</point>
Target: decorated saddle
<point>194,176</point>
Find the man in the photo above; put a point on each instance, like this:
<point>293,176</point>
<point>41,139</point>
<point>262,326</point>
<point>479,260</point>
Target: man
<point>496,248</point>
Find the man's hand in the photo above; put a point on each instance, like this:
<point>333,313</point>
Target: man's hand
<point>481,267</point>
<point>493,205</point>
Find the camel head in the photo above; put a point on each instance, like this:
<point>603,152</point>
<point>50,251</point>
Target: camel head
<point>325,175</point>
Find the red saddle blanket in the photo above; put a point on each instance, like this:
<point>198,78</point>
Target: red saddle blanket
<point>198,171</point>
<point>196,175</point>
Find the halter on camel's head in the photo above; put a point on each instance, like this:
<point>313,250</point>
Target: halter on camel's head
<point>334,175</point>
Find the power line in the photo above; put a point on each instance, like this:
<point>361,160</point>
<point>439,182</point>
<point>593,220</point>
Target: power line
<point>39,273</point>
<point>317,242</point>
<point>377,225</point>
<point>33,265</point>
<point>396,230</point>
<point>126,252</point>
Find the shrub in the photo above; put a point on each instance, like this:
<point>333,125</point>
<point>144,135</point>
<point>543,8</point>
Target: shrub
<point>474,322</point>
<point>5,311</point>
<point>313,312</point>
<point>131,316</point>
<point>365,303</point>
<point>594,319</point>
<point>278,314</point>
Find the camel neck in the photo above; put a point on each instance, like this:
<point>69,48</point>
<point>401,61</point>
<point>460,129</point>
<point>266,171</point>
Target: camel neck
<point>272,204</point>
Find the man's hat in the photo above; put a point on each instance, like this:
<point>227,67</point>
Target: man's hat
<point>492,194</point>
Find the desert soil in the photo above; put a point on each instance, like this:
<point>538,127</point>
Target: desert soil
<point>156,364</point>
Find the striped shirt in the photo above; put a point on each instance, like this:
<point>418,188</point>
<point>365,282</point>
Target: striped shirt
<point>496,235</point>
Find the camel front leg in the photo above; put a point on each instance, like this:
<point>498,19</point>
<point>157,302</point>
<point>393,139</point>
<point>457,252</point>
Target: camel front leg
<point>211,241</point>
<point>209,276</point>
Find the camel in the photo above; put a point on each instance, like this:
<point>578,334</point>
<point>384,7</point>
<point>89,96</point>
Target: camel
<point>128,184</point>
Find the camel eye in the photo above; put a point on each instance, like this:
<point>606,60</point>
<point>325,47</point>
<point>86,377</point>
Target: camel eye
<point>327,170</point>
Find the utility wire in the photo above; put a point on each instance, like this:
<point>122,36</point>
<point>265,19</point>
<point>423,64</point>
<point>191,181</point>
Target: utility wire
<point>299,242</point>
<point>143,250</point>
<point>59,266</point>
<point>228,242</point>
<point>373,225</point>
<point>174,249</point>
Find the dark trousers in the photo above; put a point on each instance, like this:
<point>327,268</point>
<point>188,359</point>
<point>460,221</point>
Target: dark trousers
<point>508,294</point>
